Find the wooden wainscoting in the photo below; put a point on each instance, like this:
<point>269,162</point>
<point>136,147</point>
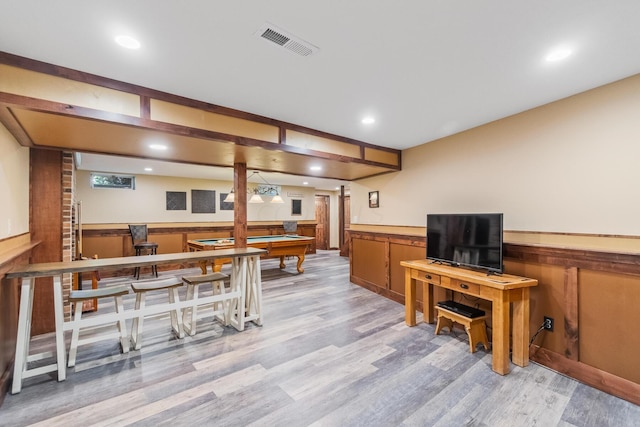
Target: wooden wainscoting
<point>114,240</point>
<point>592,296</point>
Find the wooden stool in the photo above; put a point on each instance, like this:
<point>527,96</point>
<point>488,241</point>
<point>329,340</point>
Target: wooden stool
<point>474,326</point>
<point>220,308</point>
<point>77,299</point>
<point>141,288</point>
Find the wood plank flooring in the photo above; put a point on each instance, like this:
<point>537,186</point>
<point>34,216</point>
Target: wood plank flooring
<point>330,353</point>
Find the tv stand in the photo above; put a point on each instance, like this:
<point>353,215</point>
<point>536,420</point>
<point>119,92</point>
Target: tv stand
<point>503,293</point>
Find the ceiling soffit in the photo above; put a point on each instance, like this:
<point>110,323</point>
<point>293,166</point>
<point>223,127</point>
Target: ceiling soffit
<point>194,132</point>
<point>44,124</point>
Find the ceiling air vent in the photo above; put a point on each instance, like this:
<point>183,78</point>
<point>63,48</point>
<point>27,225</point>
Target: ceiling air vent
<point>286,40</point>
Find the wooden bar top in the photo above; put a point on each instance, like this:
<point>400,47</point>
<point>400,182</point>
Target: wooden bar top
<point>54,268</point>
<point>498,281</point>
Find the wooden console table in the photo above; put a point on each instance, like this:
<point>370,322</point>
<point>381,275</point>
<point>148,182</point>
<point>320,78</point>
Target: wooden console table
<point>502,291</point>
<point>245,278</point>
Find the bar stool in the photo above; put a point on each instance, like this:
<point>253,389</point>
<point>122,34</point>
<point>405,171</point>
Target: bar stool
<point>220,308</point>
<point>77,299</point>
<point>141,288</point>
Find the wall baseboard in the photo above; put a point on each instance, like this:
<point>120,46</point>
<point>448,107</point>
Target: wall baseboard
<point>587,374</point>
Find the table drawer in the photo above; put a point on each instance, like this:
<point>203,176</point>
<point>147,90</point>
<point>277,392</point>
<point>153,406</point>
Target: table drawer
<point>462,286</point>
<point>425,277</point>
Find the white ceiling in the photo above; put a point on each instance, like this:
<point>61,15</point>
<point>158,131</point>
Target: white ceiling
<point>423,68</point>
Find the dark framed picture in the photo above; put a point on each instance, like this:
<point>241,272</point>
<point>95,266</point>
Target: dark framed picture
<point>374,199</point>
<point>203,201</point>
<point>176,200</point>
<point>296,207</point>
<point>225,206</point>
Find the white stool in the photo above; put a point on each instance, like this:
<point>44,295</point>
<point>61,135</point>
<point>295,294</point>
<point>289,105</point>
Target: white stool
<point>141,288</point>
<point>77,298</point>
<point>221,308</point>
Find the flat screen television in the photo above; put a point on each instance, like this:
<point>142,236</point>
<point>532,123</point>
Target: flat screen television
<point>470,240</point>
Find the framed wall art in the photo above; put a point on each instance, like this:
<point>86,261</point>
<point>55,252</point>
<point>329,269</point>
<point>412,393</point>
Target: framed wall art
<point>176,200</point>
<point>203,201</point>
<point>296,207</point>
<point>374,199</point>
<point>225,206</point>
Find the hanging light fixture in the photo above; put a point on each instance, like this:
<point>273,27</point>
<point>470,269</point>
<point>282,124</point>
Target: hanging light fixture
<point>231,197</point>
<point>259,191</point>
<point>265,190</point>
<point>256,198</point>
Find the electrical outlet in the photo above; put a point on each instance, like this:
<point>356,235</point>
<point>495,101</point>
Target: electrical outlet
<point>548,323</point>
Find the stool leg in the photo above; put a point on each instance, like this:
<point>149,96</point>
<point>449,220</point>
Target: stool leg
<point>477,333</point>
<point>471,335</point>
<point>154,267</point>
<point>176,318</point>
<point>75,335</point>
<point>122,326</point>
<point>222,306</point>
<point>190,314</point>
<point>443,322</point>
<point>136,328</point>
<point>484,338</point>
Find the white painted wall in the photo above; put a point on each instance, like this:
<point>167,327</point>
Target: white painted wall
<point>14,186</point>
<point>147,203</point>
<point>569,166</point>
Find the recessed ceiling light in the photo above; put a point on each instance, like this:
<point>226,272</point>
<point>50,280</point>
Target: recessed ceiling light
<point>158,147</point>
<point>558,54</point>
<point>368,120</point>
<point>316,168</point>
<point>305,183</point>
<point>148,169</point>
<point>128,42</point>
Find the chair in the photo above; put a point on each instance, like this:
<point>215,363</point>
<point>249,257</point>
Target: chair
<point>77,300</point>
<point>290,227</point>
<point>142,246</point>
<point>220,308</point>
<point>87,305</point>
<point>141,288</point>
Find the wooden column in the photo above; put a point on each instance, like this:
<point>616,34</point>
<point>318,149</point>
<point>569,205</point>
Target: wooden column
<point>240,205</point>
<point>46,226</point>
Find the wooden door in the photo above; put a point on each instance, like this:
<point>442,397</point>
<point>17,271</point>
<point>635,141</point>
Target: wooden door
<point>322,222</point>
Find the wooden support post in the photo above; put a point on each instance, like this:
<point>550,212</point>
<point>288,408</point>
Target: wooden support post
<point>240,205</point>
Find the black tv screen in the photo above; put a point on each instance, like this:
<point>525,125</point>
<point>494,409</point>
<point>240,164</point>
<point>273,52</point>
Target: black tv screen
<point>472,240</point>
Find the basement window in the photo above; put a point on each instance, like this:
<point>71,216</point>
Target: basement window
<point>103,180</point>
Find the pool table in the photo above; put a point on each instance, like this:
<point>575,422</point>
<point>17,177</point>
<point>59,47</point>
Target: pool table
<point>277,245</point>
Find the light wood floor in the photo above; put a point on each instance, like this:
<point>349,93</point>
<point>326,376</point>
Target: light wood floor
<point>330,353</point>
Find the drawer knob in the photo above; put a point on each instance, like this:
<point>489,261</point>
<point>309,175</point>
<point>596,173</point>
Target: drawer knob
<point>427,276</point>
<point>463,286</point>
